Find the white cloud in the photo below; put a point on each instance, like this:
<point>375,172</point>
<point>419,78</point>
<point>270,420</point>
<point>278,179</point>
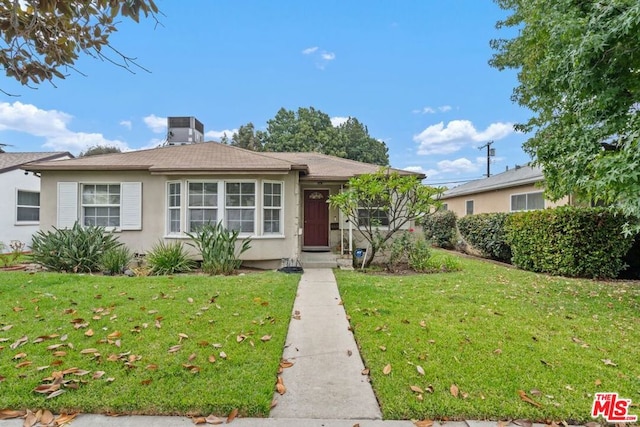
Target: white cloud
<point>419,169</point>
<point>126,123</point>
<point>432,110</point>
<point>337,121</point>
<point>155,123</point>
<point>328,56</point>
<point>217,134</point>
<point>52,126</point>
<point>461,165</point>
<point>441,139</point>
<point>320,57</point>
<point>310,50</point>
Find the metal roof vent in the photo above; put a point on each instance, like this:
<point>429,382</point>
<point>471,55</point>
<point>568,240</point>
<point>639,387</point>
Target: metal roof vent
<point>184,130</point>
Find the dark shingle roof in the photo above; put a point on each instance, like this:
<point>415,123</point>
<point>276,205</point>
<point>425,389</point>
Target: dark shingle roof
<point>521,175</point>
<point>11,161</point>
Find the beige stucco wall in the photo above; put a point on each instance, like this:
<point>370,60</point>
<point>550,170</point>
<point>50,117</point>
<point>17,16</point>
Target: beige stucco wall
<point>496,200</point>
<point>269,250</point>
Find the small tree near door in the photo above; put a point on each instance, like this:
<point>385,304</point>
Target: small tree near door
<point>382,203</point>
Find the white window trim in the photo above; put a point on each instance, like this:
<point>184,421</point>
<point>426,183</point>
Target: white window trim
<point>82,204</point>
<point>263,207</point>
<point>17,221</point>
<point>466,211</point>
<point>256,205</point>
<point>526,201</point>
<point>168,232</point>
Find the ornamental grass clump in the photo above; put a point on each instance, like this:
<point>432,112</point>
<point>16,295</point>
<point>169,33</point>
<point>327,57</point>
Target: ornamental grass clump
<point>217,245</point>
<point>75,250</point>
<point>168,258</point>
<point>115,260</point>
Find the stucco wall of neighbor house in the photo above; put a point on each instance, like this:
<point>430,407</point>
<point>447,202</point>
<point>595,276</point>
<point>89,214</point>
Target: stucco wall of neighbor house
<point>495,200</point>
<point>269,250</point>
<point>10,183</point>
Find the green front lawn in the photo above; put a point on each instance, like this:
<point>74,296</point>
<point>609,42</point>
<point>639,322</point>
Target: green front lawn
<point>151,345</point>
<point>488,332</point>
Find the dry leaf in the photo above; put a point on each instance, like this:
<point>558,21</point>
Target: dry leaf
<point>23,364</point>
<point>284,364</point>
<point>232,416</point>
<point>454,390</point>
<point>19,342</point>
<point>424,423</point>
<point>223,355</point>
<point>6,328</point>
<point>89,333</point>
<point>387,369</point>
<point>240,338</point>
<point>97,375</point>
<point>192,356</point>
<point>174,348</point>
<point>30,419</point>
<point>114,335</point>
<point>56,393</point>
<point>416,389</point>
<point>523,423</point>
<point>200,420</point>
<point>89,351</point>
<point>190,300</point>
<point>527,399</point>
<point>608,362</point>
<point>213,420</point>
<point>7,414</point>
<point>47,417</point>
<point>212,359</point>
<point>65,419</point>
<point>265,338</point>
<point>19,356</point>
<point>598,382</point>
<point>420,369</point>
<point>365,371</point>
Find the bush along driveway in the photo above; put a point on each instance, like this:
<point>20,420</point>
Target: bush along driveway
<point>188,345</point>
<point>496,343</point>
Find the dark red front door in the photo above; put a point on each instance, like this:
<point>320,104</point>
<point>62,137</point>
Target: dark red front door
<point>316,218</point>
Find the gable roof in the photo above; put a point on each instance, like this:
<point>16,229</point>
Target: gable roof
<point>11,161</point>
<point>520,175</point>
<point>214,157</point>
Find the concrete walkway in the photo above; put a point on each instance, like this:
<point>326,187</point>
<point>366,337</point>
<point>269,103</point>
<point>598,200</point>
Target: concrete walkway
<point>326,380</point>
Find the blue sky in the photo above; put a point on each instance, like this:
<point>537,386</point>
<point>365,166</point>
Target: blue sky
<point>415,72</point>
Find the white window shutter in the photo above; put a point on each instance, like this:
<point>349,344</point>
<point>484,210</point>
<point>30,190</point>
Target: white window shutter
<point>131,206</point>
<point>67,204</point>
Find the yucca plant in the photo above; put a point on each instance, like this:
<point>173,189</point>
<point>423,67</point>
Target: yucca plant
<point>115,260</point>
<point>168,258</point>
<point>75,250</point>
<point>217,245</point>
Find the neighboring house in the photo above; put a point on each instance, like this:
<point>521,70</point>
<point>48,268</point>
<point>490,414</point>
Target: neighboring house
<point>20,195</point>
<point>277,199</point>
<point>518,189</point>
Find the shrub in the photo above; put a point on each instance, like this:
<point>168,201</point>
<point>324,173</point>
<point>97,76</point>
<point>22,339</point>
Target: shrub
<point>440,229</point>
<point>115,260</point>
<point>569,241</point>
<point>217,245</point>
<point>443,263</point>
<point>75,250</point>
<point>399,250</point>
<point>486,233</point>
<point>168,258</point>
<point>13,257</point>
<point>420,255</point>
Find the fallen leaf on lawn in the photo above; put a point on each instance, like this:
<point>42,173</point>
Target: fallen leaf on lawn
<point>284,364</point>
<point>265,338</point>
<point>47,417</point>
<point>232,415</point>
<point>274,403</point>
<point>54,346</point>
<point>2,378</point>
<point>497,351</point>
<point>97,375</point>
<point>383,348</point>
<point>192,368</point>
<point>30,419</point>
<point>420,369</point>
<point>19,356</point>
<point>89,333</point>
<point>424,423</point>
<point>65,419</point>
<point>7,414</point>
<point>387,369</point>
<point>190,300</point>
<point>23,364</point>
<point>223,355</point>
<point>213,420</point>
<point>429,389</point>
<point>200,420</point>
<point>115,334</point>
<point>19,342</point>
<point>182,336</point>
<point>454,390</point>
<point>423,324</point>
<point>56,394</point>
<point>527,399</point>
<point>608,362</point>
<point>212,359</point>
<point>174,348</point>
<point>6,328</point>
<point>535,392</point>
<point>504,423</point>
<point>240,338</point>
<point>89,351</point>
<point>17,309</point>
<point>416,389</point>
<point>598,382</point>
<point>523,423</point>
<point>152,367</point>
<point>192,356</point>
<point>365,371</point>
<point>158,325</point>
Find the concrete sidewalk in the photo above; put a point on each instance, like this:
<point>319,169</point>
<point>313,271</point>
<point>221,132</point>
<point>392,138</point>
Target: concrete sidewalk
<point>326,379</point>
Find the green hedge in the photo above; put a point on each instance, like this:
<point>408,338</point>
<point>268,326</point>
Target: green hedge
<point>569,241</point>
<point>486,233</point>
<point>440,229</point>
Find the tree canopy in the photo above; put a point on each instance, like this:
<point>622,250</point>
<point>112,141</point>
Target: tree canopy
<point>39,38</point>
<point>311,130</point>
<point>99,149</point>
<point>578,68</point>
<point>382,203</point>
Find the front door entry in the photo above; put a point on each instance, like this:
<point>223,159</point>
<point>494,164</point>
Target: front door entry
<point>316,219</point>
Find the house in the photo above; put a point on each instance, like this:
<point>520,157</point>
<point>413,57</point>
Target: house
<point>20,194</point>
<point>517,189</point>
<point>279,200</point>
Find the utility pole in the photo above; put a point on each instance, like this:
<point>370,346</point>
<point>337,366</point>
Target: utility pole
<point>490,153</point>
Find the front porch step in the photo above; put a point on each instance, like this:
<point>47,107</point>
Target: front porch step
<point>320,260</point>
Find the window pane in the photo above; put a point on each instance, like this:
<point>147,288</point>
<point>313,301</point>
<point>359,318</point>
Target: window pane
<point>28,214</point>
<point>174,220</point>
<point>247,214</point>
<point>519,202</point>
<point>469,207</point>
<point>248,200</point>
<point>28,198</point>
<point>233,200</point>
<point>248,188</point>
<point>233,188</point>
<point>535,201</point>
